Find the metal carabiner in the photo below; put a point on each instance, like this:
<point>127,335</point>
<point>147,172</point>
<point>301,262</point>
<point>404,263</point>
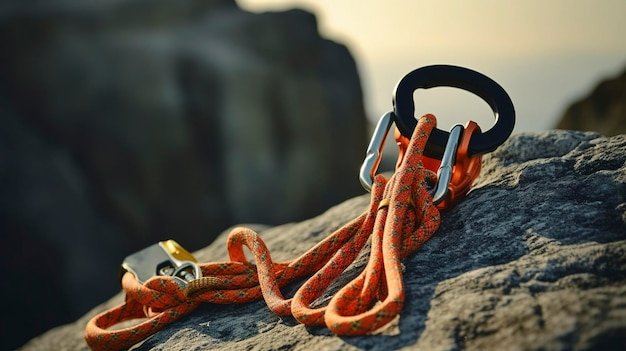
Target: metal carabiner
<point>444,173</point>
<point>458,77</point>
<point>165,258</point>
<point>375,150</point>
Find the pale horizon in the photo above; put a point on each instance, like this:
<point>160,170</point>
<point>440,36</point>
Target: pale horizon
<point>546,54</point>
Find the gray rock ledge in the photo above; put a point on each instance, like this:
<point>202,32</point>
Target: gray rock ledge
<point>534,258</point>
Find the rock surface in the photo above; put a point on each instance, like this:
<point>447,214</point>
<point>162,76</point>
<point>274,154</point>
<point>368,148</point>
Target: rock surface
<point>603,110</point>
<point>133,121</point>
<point>533,259</point>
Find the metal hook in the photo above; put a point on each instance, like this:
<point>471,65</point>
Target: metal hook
<point>375,151</point>
<point>444,173</point>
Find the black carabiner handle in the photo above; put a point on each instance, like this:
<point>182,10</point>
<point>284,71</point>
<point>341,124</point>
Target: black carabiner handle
<point>457,77</point>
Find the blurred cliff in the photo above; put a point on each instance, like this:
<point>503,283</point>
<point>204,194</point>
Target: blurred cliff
<point>129,122</point>
<point>602,110</point>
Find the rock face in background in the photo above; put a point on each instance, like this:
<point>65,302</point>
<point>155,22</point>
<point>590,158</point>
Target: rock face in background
<point>603,110</point>
<point>533,259</point>
<point>129,122</point>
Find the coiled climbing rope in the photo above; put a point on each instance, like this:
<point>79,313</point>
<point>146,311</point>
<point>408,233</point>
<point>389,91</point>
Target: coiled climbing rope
<point>401,217</point>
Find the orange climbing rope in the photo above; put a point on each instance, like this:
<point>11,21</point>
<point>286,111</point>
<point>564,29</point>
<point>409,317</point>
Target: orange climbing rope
<point>465,170</point>
<point>401,217</point>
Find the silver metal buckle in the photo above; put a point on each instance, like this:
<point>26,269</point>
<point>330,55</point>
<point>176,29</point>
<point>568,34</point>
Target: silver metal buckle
<point>165,258</point>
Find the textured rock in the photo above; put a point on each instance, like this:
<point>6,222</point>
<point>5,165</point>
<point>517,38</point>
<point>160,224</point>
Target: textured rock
<point>533,259</point>
<point>126,122</point>
<point>602,110</point>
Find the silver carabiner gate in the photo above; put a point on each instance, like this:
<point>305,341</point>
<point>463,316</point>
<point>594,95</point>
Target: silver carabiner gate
<point>374,151</point>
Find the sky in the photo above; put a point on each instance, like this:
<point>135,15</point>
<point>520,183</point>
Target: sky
<point>545,53</point>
